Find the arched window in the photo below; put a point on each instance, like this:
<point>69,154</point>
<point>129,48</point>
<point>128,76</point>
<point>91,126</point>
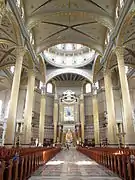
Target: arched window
<point>126,69</point>
<point>107,37</point>
<point>97,85</point>
<point>22,12</point>
<point>40,84</point>
<point>121,3</point>
<point>18,3</point>
<point>12,69</point>
<point>88,88</point>
<point>49,88</point>
<point>117,12</point>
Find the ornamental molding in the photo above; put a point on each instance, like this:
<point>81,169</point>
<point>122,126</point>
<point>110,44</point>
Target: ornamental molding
<point>69,97</point>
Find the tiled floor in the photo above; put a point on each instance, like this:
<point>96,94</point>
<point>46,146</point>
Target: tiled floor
<point>72,165</point>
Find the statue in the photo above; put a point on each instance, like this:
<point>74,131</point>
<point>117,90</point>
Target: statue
<point>69,136</point>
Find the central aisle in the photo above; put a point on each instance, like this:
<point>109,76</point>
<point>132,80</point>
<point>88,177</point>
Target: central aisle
<point>72,165</point>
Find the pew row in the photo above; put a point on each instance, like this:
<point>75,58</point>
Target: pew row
<point>26,163</point>
<point>120,161</point>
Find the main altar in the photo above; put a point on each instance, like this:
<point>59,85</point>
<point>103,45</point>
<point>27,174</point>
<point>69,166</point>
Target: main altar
<point>69,117</point>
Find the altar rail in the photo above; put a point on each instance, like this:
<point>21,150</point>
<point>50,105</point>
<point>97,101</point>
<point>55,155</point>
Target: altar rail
<point>19,164</point>
<point>120,161</point>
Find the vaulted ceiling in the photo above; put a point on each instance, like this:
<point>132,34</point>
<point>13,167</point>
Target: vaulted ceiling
<point>75,21</point>
<point>68,77</point>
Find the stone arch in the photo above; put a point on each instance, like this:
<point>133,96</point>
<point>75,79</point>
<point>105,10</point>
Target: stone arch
<point>81,72</point>
<point>42,67</point>
<point>111,62</point>
<point>16,29</point>
<point>10,39</point>
<point>27,61</point>
<point>97,66</point>
<point>126,22</point>
<point>97,47</point>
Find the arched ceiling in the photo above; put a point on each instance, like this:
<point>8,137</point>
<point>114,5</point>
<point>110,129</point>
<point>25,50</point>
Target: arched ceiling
<point>56,72</point>
<point>68,77</point>
<point>69,21</point>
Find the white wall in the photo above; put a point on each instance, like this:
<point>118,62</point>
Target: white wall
<point>63,86</point>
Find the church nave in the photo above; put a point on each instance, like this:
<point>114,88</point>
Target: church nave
<point>72,165</point>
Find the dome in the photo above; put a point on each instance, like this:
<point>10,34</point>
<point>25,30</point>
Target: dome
<point>69,55</point>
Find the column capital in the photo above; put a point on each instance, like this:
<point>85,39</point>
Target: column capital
<point>53,81</point>
<point>119,50</point>
<point>56,96</point>
<point>107,73</point>
<point>82,85</point>
<point>81,97</point>
<point>32,71</point>
<point>56,100</point>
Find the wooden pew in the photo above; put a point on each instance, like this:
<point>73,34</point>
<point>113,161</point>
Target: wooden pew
<point>29,160</point>
<point>116,159</point>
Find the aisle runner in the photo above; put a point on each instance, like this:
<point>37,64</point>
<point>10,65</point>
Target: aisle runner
<point>72,165</point>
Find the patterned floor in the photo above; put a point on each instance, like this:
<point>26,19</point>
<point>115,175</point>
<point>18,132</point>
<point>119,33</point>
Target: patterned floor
<point>72,165</point>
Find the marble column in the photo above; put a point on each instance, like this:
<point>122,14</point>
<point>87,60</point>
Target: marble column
<point>82,116</point>
<point>11,120</point>
<point>127,107</point>
<point>28,107</point>
<point>95,116</point>
<point>111,133</point>
<point>42,116</point>
<point>55,118</point>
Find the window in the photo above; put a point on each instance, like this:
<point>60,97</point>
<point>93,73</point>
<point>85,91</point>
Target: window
<point>97,85</point>
<point>49,88</point>
<point>7,110</point>
<point>31,39</point>
<point>121,3</point>
<point>117,12</point>
<point>69,47</point>
<point>12,69</point>
<point>126,69</point>
<point>18,3</point>
<point>40,84</point>
<point>22,13</point>
<point>88,88</point>
<point>107,37</point>
<point>0,108</point>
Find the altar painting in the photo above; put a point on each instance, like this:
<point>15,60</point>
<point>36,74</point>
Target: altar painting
<point>69,113</point>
